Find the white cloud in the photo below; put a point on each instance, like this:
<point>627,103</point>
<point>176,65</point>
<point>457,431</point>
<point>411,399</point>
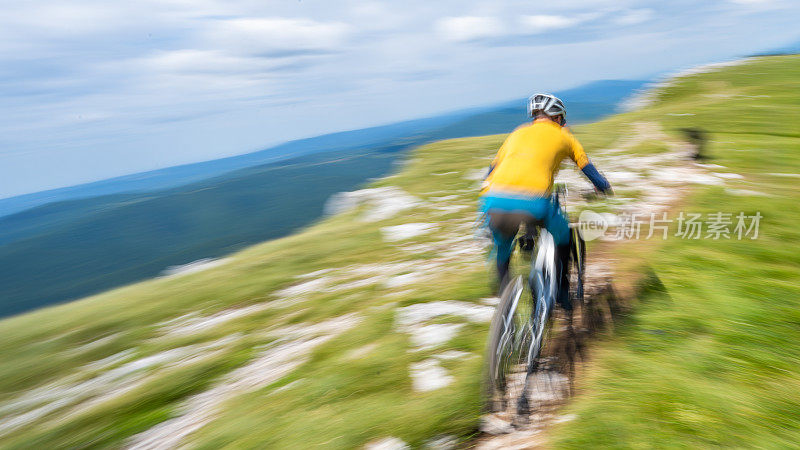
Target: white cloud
<point>472,28</point>
<point>202,81</point>
<point>634,16</point>
<point>191,61</point>
<point>469,28</point>
<point>763,5</point>
<point>62,19</point>
<point>277,36</point>
<point>541,23</point>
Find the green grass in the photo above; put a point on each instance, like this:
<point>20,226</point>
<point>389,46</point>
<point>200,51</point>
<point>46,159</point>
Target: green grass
<point>708,358</point>
<point>711,358</point>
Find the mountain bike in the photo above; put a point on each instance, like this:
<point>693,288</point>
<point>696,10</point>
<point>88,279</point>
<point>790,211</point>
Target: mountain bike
<point>518,371</point>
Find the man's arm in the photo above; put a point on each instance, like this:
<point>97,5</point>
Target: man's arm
<point>598,180</point>
<point>578,155</point>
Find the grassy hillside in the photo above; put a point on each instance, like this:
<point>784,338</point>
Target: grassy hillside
<point>711,357</point>
<point>371,324</point>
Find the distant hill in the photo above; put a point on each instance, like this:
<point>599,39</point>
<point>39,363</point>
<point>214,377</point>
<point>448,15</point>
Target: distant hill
<point>71,248</point>
<point>788,49</point>
<point>188,173</point>
<point>67,250</point>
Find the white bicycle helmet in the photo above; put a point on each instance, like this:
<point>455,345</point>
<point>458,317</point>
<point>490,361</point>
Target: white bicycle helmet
<point>548,104</point>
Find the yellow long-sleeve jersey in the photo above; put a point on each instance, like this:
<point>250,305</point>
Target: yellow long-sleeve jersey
<point>530,158</point>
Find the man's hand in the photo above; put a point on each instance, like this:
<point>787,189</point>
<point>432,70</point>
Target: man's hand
<point>595,193</point>
<point>605,193</point>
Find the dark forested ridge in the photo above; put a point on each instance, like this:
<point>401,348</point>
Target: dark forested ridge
<point>124,238</point>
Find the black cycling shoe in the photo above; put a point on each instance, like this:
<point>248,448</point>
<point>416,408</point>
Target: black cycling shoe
<point>527,242</point>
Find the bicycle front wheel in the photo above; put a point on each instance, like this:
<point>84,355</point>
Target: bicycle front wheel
<point>507,352</point>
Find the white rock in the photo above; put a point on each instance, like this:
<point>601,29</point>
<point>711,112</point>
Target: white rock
<point>108,361</point>
<point>384,202</point>
<point>355,284</point>
<point>412,320</point>
<point>430,336</point>
<point>287,386</point>
<point>787,175</point>
<point>96,343</point>
<point>428,375</point>
<point>448,209</point>
<point>421,312</point>
<point>476,174</point>
<point>314,274</point>
<point>406,231</point>
<point>389,443</point>
<point>565,418</point>
<point>404,279</point>
<point>491,424</point>
<point>451,354</point>
<point>446,442</point>
<point>746,192</point>
<point>193,267</point>
<point>306,287</point>
<point>192,325</point>
<point>360,352</point>
<point>702,178</point>
<point>729,176</point>
<point>331,326</point>
<point>443,198</point>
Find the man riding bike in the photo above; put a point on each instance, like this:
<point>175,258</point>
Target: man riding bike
<point>517,189</point>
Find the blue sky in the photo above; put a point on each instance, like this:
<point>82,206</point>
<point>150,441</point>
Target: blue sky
<point>94,89</point>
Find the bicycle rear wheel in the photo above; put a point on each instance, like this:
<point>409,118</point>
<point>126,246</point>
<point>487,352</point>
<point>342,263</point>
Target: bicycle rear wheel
<point>579,263</point>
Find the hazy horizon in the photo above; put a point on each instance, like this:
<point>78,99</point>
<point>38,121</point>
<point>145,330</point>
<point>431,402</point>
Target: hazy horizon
<point>311,136</point>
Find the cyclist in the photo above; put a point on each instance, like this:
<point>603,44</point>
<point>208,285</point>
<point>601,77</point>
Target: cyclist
<point>517,188</point>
